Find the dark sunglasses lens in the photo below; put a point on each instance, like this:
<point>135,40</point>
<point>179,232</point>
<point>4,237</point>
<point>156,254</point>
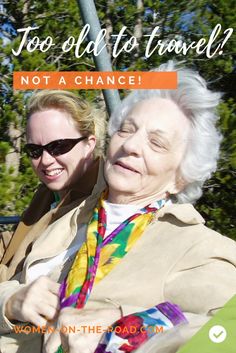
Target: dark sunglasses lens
<point>33,151</point>
<point>59,147</point>
<point>55,148</point>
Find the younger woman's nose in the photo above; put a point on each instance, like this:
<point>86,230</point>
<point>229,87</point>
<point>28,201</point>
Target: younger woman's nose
<point>46,158</point>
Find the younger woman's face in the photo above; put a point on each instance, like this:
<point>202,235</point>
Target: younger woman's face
<point>58,172</point>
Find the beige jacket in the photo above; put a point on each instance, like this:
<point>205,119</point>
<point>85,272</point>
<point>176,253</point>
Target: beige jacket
<point>176,259</point>
<point>38,217</point>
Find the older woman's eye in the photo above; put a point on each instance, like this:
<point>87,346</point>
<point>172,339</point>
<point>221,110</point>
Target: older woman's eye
<point>156,143</point>
<point>124,130</point>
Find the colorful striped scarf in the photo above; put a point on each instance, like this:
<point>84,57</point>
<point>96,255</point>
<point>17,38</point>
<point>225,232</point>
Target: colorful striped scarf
<point>98,256</point>
<point>131,331</point>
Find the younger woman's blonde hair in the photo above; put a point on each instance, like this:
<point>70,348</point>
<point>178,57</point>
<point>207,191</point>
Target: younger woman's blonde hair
<point>88,119</point>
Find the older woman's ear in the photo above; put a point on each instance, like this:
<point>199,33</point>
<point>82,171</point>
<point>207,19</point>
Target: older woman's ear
<point>178,186</point>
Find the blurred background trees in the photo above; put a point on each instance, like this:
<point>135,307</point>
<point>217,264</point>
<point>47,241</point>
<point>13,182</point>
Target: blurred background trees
<point>60,19</point>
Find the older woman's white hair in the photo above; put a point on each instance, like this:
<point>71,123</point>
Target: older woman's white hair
<point>199,104</point>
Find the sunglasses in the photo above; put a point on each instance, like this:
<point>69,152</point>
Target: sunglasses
<point>54,148</point>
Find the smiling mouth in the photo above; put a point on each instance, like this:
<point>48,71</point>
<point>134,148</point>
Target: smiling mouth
<point>125,166</point>
<point>53,172</point>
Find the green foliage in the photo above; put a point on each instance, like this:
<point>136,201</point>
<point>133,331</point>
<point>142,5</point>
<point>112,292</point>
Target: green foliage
<point>4,149</point>
<point>16,191</point>
<point>218,203</point>
<point>176,19</point>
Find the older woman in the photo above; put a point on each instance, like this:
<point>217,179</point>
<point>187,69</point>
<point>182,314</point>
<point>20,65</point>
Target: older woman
<point>145,243</point>
<point>65,137</point>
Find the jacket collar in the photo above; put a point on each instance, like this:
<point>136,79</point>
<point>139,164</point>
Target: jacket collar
<point>186,213</point>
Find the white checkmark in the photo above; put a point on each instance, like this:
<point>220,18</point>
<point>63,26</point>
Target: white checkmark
<point>217,334</point>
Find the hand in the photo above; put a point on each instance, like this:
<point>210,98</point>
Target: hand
<point>35,303</point>
<point>88,326</point>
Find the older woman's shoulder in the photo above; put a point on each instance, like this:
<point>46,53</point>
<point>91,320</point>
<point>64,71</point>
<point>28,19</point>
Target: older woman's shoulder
<point>202,276</point>
<point>186,222</point>
<point>185,213</point>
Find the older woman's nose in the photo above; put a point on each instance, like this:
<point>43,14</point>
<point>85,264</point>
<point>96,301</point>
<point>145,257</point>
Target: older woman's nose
<point>132,145</point>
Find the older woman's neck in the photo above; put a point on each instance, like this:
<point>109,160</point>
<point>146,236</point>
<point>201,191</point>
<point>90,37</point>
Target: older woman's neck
<point>127,199</point>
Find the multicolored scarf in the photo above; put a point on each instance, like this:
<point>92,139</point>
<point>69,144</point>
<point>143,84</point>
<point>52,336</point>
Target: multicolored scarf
<point>131,331</point>
<point>98,256</point>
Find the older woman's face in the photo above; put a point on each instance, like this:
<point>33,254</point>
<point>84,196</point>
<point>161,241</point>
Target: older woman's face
<point>145,153</point>
<point>58,172</point>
